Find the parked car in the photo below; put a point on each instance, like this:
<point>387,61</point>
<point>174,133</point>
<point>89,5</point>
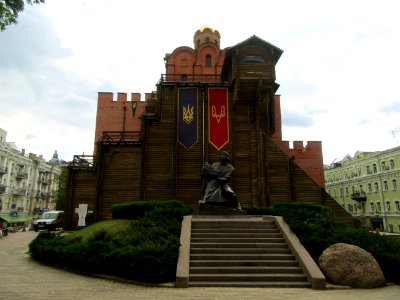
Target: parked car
<point>50,220</point>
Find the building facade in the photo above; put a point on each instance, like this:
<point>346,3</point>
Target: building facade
<point>27,183</point>
<point>208,100</point>
<point>366,185</point>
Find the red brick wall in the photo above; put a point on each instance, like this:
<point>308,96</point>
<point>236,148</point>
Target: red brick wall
<point>110,113</point>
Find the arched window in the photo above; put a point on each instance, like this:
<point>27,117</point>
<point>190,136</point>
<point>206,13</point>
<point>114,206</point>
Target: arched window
<point>208,60</point>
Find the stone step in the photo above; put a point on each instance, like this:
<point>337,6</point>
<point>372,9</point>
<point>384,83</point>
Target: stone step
<point>232,277</point>
<point>246,269</point>
<point>236,235</point>
<point>232,224</point>
<point>266,284</point>
<point>239,245</point>
<point>241,251</point>
<point>248,257</point>
<point>244,263</point>
<point>235,230</point>
<point>237,240</point>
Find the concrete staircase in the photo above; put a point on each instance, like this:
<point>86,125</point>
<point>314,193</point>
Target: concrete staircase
<point>241,251</point>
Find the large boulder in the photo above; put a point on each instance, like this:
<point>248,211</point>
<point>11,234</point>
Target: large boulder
<point>350,265</point>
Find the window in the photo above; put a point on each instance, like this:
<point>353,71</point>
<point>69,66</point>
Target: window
<point>397,205</point>
<point>353,190</point>
<point>369,188</point>
<point>368,170</point>
<point>391,164</point>
<point>359,171</point>
<point>385,185</point>
<point>347,190</point>
<point>383,166</point>
<point>208,60</point>
<point>374,168</point>
<point>394,185</point>
<point>361,188</point>
<point>341,192</point>
<point>388,206</point>
<point>376,187</point>
<point>378,206</point>
<point>372,207</point>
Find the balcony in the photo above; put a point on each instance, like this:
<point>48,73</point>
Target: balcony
<point>113,137</point>
<point>83,161</point>
<point>21,175</point>
<point>190,79</point>
<point>3,170</point>
<point>2,188</point>
<point>18,192</point>
<point>359,196</point>
<point>44,181</point>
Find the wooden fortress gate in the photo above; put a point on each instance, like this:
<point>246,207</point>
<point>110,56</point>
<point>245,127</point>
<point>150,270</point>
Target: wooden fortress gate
<point>187,122</point>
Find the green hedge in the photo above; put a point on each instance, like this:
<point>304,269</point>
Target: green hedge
<point>145,249</point>
<point>317,229</point>
<point>252,210</point>
<point>137,210</point>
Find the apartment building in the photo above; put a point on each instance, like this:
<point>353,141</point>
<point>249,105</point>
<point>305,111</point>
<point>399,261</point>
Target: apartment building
<point>366,185</point>
<point>28,183</point>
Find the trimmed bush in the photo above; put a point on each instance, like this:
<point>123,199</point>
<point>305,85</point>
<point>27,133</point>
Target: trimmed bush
<point>145,249</point>
<point>252,210</point>
<point>317,229</point>
<point>311,223</point>
<point>137,210</point>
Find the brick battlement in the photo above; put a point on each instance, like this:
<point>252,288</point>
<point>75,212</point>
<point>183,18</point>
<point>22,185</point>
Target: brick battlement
<point>308,156</point>
<point>121,97</point>
<point>115,112</point>
<point>309,148</point>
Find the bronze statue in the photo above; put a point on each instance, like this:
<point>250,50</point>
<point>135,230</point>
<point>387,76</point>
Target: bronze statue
<point>217,191</point>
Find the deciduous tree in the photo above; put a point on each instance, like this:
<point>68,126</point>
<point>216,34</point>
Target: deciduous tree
<point>9,10</point>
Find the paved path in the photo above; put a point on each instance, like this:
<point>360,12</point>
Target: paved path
<point>23,278</point>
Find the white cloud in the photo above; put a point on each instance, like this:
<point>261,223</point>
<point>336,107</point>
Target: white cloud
<point>337,75</point>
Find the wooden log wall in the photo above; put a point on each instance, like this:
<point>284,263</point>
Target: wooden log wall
<point>81,188</point>
<point>160,136</point>
<point>119,176</point>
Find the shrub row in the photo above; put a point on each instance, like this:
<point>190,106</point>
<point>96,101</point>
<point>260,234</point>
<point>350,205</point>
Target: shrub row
<point>145,249</point>
<point>137,210</point>
<point>317,229</point>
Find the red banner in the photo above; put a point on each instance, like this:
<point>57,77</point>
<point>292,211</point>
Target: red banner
<point>218,125</point>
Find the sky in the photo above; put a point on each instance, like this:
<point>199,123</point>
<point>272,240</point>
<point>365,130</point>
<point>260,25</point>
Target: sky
<point>338,75</point>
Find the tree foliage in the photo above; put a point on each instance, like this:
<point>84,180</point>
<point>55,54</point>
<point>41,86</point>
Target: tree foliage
<point>9,10</point>
<point>61,193</point>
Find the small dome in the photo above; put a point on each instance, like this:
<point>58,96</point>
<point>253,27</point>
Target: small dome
<point>54,160</point>
<point>206,35</point>
<point>206,27</point>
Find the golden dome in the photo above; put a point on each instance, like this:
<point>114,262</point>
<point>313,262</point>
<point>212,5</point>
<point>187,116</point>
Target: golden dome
<point>206,27</point>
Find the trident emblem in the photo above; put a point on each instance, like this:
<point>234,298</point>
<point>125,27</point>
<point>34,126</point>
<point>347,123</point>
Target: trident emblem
<point>188,114</point>
<point>220,115</point>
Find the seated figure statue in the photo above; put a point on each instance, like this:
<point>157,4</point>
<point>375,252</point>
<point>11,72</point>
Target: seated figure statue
<point>217,191</point>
